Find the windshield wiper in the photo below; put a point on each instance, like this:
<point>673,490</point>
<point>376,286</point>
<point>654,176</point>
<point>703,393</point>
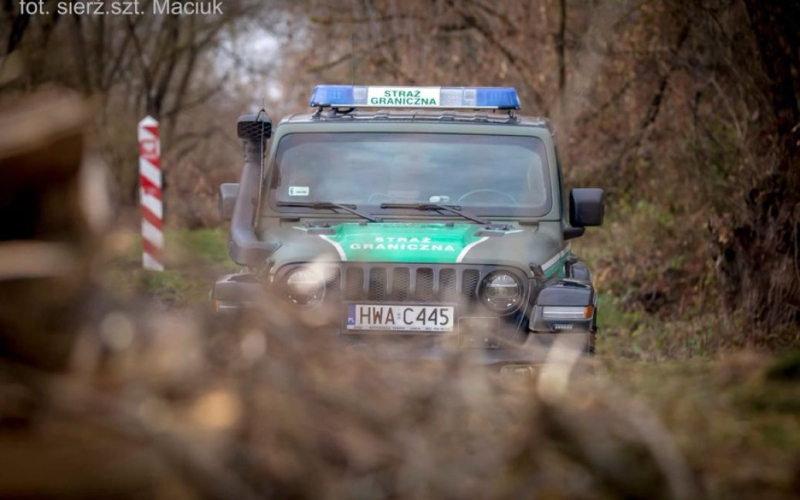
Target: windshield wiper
<point>455,209</point>
<point>326,205</point>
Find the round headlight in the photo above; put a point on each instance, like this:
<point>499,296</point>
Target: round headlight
<point>305,287</point>
<point>502,292</point>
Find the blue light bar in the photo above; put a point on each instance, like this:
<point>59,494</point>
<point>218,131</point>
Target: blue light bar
<point>361,96</point>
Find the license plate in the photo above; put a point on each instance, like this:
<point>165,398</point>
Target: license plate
<point>400,318</point>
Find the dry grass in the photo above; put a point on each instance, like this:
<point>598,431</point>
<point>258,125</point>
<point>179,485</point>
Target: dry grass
<point>273,409</point>
<point>175,403</point>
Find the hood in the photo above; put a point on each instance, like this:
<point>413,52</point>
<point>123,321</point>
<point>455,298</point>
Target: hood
<point>416,242</point>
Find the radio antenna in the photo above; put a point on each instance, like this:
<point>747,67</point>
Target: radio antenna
<point>353,59</point>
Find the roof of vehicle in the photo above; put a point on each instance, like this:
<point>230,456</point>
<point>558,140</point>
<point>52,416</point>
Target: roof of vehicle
<point>416,115</point>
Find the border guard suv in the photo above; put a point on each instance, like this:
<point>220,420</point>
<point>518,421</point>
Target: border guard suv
<point>433,213</point>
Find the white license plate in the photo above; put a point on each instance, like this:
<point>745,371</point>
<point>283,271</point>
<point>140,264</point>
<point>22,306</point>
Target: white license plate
<point>400,318</point>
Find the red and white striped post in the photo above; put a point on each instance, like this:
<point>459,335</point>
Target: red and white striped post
<point>150,191</point>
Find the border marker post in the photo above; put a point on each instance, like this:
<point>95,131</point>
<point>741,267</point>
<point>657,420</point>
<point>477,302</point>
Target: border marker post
<point>150,188</point>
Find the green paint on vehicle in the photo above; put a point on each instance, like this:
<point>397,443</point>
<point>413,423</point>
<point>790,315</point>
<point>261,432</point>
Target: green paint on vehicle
<point>557,268</point>
<point>404,242</point>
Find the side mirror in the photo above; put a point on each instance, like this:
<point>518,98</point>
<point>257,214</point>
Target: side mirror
<point>586,208</point>
<point>227,199</point>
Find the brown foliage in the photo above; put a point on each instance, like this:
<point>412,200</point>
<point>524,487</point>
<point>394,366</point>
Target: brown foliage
<point>759,256</point>
<point>689,107</point>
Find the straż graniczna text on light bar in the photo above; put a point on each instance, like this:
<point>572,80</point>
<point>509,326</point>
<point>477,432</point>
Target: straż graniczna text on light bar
<point>362,96</point>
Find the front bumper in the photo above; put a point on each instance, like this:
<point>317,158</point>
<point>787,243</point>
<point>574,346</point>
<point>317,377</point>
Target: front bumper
<point>510,344</point>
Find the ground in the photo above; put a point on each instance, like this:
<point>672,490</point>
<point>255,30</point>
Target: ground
<point>194,259</point>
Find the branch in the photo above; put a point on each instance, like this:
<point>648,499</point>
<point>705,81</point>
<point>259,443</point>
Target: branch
<point>81,52</point>
<point>512,28</point>
<point>654,108</point>
<point>480,26</point>
<point>346,57</point>
<point>139,51</point>
<point>329,21</point>
<point>171,62</point>
<point>18,27</point>
<point>200,100</point>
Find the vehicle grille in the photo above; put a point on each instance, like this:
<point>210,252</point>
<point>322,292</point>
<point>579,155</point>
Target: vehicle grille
<point>417,283</point>
<point>388,283</point>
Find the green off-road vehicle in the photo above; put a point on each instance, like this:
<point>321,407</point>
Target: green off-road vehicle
<point>443,222</point>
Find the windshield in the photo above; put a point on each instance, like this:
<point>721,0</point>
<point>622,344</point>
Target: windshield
<point>486,174</point>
